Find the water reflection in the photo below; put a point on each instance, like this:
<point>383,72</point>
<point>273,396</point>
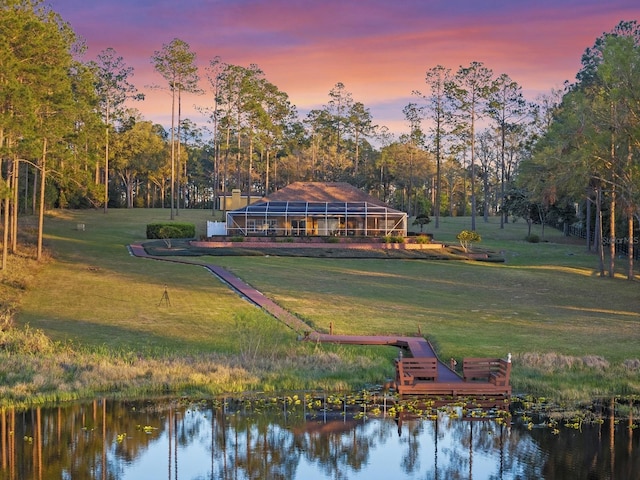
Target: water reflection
<point>332,437</point>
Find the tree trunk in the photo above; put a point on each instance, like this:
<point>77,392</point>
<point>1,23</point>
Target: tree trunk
<point>464,184</point>
<point>473,172</point>
<point>14,207</point>
<point>436,209</point>
<point>26,187</point>
<point>173,153</point>
<point>239,156</point>
<point>266,175</point>
<point>588,223</point>
<point>178,159</point>
<point>5,231</point>
<point>612,233</point>
<point>34,192</point>
<point>127,181</point>
<point>8,221</point>
<point>357,159</point>
<point>215,174</point>
<point>502,175</point>
<point>106,165</point>
<point>250,167</point>
<point>485,204</point>
<point>599,239</point>
<point>630,249</point>
<point>225,172</point>
<point>41,210</point>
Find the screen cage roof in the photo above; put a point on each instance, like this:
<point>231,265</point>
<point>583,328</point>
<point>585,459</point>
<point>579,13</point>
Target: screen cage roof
<point>311,208</point>
<point>390,221</point>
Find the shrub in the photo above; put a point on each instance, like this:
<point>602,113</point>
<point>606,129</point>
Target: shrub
<point>423,239</point>
<point>332,240</point>
<point>532,238</point>
<point>392,239</point>
<point>168,232</point>
<point>632,364</point>
<point>467,238</point>
<point>422,220</point>
<point>236,239</point>
<point>26,341</point>
<point>182,230</point>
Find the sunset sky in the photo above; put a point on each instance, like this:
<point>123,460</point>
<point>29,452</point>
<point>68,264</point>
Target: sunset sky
<point>379,49</point>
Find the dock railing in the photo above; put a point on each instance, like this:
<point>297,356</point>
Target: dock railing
<point>412,370</point>
<point>493,370</point>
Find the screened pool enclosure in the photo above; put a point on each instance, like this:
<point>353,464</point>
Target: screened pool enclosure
<point>317,209</point>
<point>299,218</point>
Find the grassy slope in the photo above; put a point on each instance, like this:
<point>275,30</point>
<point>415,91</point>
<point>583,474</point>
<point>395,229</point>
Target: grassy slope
<point>97,294</point>
<point>545,298</point>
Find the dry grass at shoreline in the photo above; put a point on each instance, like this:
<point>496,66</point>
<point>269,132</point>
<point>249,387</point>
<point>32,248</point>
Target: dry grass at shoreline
<point>36,370</point>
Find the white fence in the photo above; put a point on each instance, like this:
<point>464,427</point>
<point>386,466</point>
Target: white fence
<point>216,228</point>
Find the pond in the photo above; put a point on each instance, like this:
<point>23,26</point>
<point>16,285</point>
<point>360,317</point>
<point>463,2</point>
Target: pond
<point>309,437</point>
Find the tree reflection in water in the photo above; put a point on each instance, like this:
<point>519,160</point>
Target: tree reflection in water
<point>334,437</point>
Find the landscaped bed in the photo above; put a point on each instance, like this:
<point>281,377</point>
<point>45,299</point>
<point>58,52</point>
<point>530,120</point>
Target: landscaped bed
<point>320,248</point>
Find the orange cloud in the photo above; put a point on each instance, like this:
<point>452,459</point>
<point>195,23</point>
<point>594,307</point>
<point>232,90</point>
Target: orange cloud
<point>379,49</point>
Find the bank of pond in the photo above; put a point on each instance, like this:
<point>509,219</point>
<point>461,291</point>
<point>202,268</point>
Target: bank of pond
<point>321,435</point>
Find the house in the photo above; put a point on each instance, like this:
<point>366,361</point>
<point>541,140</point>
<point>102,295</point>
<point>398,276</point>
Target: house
<point>236,199</point>
<point>317,209</point>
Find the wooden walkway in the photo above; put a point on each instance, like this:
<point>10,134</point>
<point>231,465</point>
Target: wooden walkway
<point>258,298</point>
<point>417,347</point>
<point>490,376</point>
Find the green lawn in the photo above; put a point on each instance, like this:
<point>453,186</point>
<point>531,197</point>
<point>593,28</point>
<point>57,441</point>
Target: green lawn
<point>95,293</point>
<point>543,303</point>
<point>466,308</point>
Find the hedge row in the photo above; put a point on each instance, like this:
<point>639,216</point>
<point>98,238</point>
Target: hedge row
<point>176,230</point>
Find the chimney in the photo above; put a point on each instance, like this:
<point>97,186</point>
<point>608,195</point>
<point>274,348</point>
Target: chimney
<point>236,199</point>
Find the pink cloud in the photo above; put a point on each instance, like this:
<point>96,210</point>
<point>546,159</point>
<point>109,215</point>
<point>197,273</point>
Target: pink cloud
<point>378,49</point>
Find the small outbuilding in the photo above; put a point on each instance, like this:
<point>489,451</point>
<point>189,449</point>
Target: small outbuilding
<point>317,209</point>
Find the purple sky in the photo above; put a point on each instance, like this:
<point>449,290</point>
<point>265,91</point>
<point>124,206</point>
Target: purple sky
<point>379,49</point>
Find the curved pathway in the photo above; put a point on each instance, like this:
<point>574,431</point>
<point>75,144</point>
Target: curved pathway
<point>242,288</point>
<point>418,346</point>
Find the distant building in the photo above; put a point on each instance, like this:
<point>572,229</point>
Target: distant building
<point>317,209</point>
<point>236,199</point>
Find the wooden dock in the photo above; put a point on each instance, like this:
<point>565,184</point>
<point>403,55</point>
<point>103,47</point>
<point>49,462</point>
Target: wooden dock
<point>421,372</point>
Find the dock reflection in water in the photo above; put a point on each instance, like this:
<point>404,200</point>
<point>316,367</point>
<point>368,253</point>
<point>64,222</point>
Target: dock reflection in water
<point>326,436</point>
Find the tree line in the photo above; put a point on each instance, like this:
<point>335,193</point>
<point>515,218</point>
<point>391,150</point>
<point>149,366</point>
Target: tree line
<point>585,163</point>
<point>473,145</point>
